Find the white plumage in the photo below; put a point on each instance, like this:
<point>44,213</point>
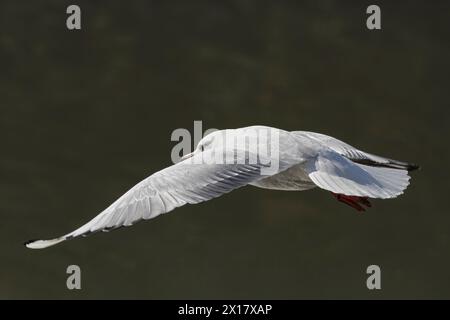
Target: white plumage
<point>304,160</point>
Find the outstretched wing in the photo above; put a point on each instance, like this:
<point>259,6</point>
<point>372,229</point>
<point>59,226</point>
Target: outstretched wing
<point>333,172</point>
<point>355,154</point>
<point>183,183</point>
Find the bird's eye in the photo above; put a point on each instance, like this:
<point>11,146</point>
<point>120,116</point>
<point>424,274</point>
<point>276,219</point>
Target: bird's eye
<point>202,148</point>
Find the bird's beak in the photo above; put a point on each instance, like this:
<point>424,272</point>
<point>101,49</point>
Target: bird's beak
<point>187,156</point>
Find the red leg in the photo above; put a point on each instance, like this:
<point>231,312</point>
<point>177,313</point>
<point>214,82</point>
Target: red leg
<point>353,201</point>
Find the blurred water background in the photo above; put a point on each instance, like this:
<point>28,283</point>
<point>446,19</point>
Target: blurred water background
<point>84,115</point>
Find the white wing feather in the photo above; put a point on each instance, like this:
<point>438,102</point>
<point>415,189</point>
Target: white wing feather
<point>182,183</point>
<point>353,153</point>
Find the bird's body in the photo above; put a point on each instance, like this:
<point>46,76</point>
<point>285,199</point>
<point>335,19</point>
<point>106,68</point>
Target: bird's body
<point>261,156</point>
<point>291,179</point>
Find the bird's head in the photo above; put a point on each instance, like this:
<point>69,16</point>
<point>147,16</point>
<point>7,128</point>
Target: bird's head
<point>210,141</point>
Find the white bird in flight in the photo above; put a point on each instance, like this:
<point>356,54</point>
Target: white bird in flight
<point>304,160</point>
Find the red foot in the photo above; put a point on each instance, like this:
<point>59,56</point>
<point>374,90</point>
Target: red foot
<point>353,201</point>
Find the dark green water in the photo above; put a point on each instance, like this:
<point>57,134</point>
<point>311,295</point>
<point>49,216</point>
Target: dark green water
<point>84,115</point>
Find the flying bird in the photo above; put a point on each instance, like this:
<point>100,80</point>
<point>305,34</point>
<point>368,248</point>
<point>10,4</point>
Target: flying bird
<point>267,158</point>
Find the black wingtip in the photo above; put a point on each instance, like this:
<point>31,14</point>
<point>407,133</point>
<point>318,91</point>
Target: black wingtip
<point>28,242</point>
<point>412,167</point>
<point>393,164</point>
